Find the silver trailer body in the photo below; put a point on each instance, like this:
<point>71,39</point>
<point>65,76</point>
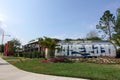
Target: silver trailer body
<point>88,48</point>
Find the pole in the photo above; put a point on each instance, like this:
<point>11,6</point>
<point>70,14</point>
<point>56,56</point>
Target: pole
<point>2,42</point>
<point>2,38</point>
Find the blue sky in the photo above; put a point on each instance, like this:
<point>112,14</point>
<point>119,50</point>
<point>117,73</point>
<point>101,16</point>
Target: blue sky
<point>30,19</point>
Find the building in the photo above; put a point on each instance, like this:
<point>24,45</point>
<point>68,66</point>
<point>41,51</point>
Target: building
<point>85,48</point>
<point>8,49</point>
<point>32,46</point>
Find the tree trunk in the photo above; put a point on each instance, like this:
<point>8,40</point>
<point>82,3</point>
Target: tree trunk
<point>109,32</point>
<point>47,55</point>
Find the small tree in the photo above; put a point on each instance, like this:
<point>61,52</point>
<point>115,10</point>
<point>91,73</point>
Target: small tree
<point>106,24</point>
<point>16,42</point>
<point>92,35</point>
<point>48,44</point>
<point>14,46</point>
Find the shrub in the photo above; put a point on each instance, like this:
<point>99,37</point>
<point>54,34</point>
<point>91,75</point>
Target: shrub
<point>118,53</point>
<point>55,60</point>
<point>31,54</point>
<point>59,59</point>
<point>44,61</point>
<point>21,54</point>
<point>15,54</point>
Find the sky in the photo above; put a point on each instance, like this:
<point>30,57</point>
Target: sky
<point>31,19</point>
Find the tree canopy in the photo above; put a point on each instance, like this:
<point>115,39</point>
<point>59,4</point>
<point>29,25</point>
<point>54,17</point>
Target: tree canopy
<point>48,44</point>
<point>110,25</point>
<point>116,35</point>
<point>106,24</point>
<point>92,35</point>
<point>14,45</point>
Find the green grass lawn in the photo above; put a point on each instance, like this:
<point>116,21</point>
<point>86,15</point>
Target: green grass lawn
<point>77,69</point>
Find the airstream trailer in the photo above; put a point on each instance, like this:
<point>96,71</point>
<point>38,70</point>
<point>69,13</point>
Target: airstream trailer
<point>86,48</point>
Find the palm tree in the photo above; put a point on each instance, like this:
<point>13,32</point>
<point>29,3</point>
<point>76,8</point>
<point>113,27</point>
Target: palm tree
<point>48,44</point>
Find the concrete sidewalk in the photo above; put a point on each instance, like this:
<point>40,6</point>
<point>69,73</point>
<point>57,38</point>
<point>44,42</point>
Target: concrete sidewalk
<point>9,72</point>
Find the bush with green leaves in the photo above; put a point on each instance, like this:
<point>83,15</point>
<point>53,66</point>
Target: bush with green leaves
<point>118,53</point>
<point>34,54</point>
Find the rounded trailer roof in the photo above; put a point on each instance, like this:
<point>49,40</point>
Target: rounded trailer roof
<point>85,42</point>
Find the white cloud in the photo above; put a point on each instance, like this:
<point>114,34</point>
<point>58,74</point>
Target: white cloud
<point>1,31</point>
<point>3,17</point>
<point>1,28</point>
<point>6,20</point>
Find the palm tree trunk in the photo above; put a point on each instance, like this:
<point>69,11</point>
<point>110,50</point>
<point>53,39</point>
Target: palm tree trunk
<point>47,55</point>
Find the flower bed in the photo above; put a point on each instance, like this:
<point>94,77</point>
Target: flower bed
<point>101,60</point>
<point>56,59</point>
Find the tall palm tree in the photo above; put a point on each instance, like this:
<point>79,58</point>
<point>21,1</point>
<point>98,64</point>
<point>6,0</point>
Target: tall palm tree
<point>49,46</point>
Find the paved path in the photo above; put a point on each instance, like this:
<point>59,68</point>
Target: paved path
<point>9,72</point>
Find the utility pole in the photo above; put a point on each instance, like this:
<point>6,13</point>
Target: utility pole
<point>3,35</point>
